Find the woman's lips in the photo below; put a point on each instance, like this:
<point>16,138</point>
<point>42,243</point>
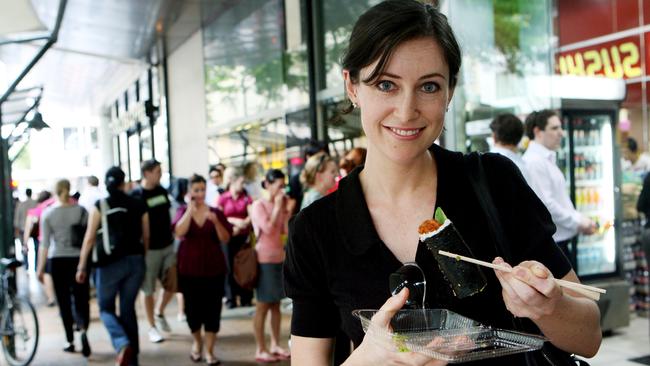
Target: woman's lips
<point>405,133</point>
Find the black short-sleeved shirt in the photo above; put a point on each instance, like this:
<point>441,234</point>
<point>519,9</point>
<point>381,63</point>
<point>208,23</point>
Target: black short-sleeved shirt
<point>126,224</point>
<point>157,203</point>
<point>337,263</point>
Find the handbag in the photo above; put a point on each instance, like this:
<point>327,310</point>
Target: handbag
<point>77,231</point>
<point>548,354</point>
<point>103,250</point>
<point>245,268</point>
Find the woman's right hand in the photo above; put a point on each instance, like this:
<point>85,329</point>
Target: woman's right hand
<point>371,352</point>
<point>81,276</point>
<point>279,199</point>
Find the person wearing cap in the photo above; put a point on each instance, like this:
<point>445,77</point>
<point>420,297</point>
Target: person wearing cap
<point>121,276</point>
<point>160,258</point>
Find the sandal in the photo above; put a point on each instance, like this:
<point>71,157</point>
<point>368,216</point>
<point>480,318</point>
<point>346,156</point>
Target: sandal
<point>265,357</point>
<point>280,353</point>
<point>213,362</point>
<point>195,356</point>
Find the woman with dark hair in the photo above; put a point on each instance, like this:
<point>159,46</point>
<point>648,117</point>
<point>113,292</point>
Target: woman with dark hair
<point>201,267</point>
<point>121,275</point>
<point>400,71</point>
<point>270,217</point>
<point>61,224</point>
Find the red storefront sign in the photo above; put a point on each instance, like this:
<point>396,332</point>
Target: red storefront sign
<point>616,59</point>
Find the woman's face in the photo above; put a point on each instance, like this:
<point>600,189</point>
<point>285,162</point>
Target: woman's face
<point>403,111</point>
<point>197,192</point>
<point>327,178</point>
<point>275,187</point>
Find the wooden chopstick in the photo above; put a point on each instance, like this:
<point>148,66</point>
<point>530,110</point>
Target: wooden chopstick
<point>589,291</point>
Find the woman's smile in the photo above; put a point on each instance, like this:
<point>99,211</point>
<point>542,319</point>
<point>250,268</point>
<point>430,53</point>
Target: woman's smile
<point>405,134</point>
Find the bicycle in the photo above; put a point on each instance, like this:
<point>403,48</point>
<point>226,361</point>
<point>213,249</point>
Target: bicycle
<point>18,321</point>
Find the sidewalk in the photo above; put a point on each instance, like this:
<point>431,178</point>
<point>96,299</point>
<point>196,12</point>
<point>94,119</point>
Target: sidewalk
<point>235,343</point>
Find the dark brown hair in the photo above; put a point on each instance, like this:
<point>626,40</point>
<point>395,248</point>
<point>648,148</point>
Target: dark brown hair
<point>507,128</point>
<point>382,28</point>
<point>539,120</point>
<point>196,178</point>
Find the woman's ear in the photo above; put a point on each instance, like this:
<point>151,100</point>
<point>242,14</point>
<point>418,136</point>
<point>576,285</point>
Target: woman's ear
<point>350,87</point>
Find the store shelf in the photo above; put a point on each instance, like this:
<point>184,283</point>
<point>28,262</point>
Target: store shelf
<point>590,183</point>
<point>588,148</point>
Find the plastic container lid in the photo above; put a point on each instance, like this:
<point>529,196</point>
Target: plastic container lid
<point>445,335</point>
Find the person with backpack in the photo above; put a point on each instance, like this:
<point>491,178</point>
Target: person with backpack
<point>119,258</point>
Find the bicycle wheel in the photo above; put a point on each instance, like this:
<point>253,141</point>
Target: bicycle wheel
<point>19,330</point>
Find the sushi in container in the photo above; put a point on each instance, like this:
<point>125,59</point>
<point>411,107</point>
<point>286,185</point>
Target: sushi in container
<point>444,335</point>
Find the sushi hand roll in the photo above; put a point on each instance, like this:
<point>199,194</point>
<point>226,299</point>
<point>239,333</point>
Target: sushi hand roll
<point>465,279</point>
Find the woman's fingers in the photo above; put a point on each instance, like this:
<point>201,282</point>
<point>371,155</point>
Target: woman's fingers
<point>390,307</point>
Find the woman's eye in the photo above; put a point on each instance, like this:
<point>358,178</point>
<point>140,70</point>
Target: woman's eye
<point>385,85</point>
<point>430,87</point>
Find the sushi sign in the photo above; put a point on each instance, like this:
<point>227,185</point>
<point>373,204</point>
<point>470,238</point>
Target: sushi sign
<point>617,59</point>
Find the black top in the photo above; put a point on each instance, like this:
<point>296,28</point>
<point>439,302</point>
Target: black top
<point>336,261</point>
<point>125,224</point>
<point>643,204</point>
<point>160,222</point>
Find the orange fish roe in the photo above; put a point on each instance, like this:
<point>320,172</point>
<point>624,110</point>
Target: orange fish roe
<point>429,226</point>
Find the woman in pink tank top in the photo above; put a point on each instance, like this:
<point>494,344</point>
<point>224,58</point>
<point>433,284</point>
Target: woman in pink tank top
<point>270,218</point>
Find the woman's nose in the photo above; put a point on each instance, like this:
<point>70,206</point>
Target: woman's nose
<point>406,108</point>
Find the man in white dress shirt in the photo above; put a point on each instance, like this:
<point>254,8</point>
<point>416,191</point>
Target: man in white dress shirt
<point>507,131</point>
<point>544,128</point>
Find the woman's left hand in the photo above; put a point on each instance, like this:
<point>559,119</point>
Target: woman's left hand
<point>529,291</point>
<point>41,276</point>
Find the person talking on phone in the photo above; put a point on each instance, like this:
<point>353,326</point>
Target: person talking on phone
<point>202,231</point>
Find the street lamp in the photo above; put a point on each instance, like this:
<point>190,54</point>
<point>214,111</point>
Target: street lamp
<point>37,122</point>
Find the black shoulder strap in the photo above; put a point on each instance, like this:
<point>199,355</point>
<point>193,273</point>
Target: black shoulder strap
<point>477,178</point>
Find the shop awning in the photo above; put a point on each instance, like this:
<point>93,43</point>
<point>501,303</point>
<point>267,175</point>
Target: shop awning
<point>18,16</point>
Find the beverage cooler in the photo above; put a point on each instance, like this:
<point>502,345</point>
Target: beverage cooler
<point>590,160</point>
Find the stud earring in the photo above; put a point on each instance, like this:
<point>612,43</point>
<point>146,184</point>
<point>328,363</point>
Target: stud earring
<point>354,105</point>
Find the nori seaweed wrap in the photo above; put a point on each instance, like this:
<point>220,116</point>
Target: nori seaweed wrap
<point>465,279</point>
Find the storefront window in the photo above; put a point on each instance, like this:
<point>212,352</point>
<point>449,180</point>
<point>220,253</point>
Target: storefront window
<point>506,47</point>
<point>124,153</point>
<point>243,50</point>
<point>161,149</point>
<point>338,18</point>
<point>134,156</point>
<point>146,140</point>
<point>256,81</point>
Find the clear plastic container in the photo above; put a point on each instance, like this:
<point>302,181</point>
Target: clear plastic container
<point>444,335</point>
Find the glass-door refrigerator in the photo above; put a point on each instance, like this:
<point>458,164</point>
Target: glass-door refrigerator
<point>588,159</point>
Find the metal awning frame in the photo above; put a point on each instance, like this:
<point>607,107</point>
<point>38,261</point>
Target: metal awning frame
<point>50,40</point>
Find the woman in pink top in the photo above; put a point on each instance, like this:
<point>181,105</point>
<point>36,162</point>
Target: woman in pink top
<point>270,218</point>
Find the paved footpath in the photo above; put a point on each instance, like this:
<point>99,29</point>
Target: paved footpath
<point>235,343</point>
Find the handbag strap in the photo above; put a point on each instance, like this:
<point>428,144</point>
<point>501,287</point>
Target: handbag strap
<point>478,179</point>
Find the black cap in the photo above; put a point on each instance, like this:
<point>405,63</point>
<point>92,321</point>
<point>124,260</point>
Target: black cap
<point>114,176</point>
